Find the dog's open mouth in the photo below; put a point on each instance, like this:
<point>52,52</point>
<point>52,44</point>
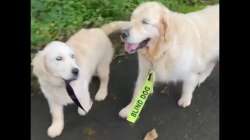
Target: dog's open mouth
<point>133,47</point>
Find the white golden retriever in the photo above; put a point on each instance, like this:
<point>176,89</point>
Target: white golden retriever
<point>86,53</point>
<point>178,47</point>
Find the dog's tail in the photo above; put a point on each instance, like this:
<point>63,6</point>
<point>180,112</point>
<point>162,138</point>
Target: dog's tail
<point>114,26</point>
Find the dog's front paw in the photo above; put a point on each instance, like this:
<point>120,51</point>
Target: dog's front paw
<point>81,112</point>
<point>101,95</point>
<point>86,108</point>
<point>55,130</point>
<point>184,101</point>
<point>124,112</point>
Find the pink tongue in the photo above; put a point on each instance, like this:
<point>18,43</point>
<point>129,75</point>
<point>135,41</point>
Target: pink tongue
<point>130,48</point>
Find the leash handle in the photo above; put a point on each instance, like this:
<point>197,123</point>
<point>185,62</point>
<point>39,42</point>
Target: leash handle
<point>141,98</point>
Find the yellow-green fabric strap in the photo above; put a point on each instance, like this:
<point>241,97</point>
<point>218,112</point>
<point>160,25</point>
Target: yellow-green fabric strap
<point>141,98</point>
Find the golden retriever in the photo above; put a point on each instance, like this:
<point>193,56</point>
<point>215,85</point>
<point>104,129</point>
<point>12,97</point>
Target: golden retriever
<point>178,47</point>
<point>86,53</point>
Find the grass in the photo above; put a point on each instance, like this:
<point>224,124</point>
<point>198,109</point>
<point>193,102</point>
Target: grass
<point>58,19</point>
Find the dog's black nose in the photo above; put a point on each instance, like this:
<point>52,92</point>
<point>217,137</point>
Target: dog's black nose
<point>125,34</point>
<point>75,71</point>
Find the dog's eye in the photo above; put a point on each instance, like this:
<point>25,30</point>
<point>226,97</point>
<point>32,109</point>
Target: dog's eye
<point>145,21</point>
<point>59,58</point>
<point>72,56</point>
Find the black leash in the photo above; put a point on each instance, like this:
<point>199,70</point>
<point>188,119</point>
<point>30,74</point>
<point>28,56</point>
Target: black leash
<point>72,95</point>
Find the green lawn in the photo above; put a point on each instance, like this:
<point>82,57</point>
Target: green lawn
<point>58,19</point>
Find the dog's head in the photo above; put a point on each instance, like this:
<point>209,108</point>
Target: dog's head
<point>149,23</point>
<point>56,60</point>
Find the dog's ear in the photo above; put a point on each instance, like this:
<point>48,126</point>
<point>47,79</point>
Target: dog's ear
<point>164,23</point>
<point>38,63</point>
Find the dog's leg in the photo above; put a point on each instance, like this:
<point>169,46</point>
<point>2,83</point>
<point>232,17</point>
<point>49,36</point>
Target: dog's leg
<point>103,73</point>
<point>205,74</point>
<point>85,100</point>
<point>143,70</point>
<point>187,93</point>
<point>81,88</point>
<point>87,105</point>
<point>57,125</point>
<point>124,112</point>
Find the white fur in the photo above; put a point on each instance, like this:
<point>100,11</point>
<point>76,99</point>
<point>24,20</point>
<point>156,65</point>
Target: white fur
<point>93,54</point>
<point>188,51</point>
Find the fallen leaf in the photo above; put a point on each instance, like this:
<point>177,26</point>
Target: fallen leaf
<point>151,135</point>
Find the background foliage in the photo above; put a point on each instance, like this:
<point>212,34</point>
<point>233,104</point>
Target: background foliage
<point>58,19</point>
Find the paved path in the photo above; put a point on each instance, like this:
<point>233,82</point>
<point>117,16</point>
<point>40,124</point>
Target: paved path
<point>200,121</point>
